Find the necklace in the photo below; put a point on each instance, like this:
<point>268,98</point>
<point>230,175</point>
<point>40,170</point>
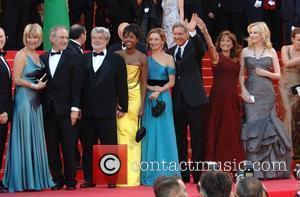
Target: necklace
<point>258,65</point>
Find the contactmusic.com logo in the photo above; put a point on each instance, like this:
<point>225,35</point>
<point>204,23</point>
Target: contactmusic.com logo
<point>110,164</point>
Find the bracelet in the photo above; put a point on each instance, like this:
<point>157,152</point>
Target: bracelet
<point>34,86</point>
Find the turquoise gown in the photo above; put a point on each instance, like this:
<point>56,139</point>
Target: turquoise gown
<point>159,149</point>
<point>27,162</point>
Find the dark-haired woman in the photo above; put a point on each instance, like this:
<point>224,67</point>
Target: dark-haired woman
<point>223,141</point>
<point>137,69</point>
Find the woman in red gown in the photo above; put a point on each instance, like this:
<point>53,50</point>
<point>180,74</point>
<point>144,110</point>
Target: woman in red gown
<point>223,125</point>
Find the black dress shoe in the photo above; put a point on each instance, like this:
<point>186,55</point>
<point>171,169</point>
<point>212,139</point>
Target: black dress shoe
<point>111,185</point>
<point>70,188</point>
<point>57,186</point>
<point>87,185</point>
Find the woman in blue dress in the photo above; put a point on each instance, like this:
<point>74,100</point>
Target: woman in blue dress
<point>159,150</point>
<point>27,162</point>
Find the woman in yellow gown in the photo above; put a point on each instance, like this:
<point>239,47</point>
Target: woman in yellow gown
<point>127,123</point>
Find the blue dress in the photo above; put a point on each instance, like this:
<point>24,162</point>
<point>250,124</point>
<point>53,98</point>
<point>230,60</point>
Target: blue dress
<point>27,162</point>
<point>159,149</point>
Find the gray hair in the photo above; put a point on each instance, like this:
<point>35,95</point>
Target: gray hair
<point>182,25</point>
<point>54,29</point>
<point>102,30</point>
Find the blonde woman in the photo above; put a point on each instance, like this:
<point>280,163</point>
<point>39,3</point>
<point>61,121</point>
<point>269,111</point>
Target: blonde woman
<point>27,161</point>
<point>263,135</point>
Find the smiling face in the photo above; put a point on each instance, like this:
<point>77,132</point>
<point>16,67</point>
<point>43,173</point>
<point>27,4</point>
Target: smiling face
<point>60,39</point>
<point>130,40</point>
<point>180,36</point>
<point>99,41</point>
<point>32,41</point>
<point>155,41</point>
<point>226,43</point>
<point>2,39</point>
<point>255,35</point>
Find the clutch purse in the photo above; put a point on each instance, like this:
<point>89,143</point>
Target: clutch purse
<point>294,89</point>
<point>158,109</point>
<point>141,132</point>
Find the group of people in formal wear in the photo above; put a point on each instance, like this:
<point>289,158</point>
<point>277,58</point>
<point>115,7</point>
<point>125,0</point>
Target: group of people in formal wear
<point>103,96</point>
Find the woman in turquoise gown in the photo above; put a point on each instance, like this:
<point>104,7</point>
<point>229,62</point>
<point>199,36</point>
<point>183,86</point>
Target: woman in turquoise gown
<point>159,150</point>
<point>27,162</point>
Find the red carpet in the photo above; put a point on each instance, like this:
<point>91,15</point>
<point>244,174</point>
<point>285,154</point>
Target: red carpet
<point>275,188</point>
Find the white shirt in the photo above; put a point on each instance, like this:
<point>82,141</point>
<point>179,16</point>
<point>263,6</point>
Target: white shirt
<point>3,60</point>
<point>53,62</point>
<point>192,34</point>
<point>123,48</point>
<point>98,60</point>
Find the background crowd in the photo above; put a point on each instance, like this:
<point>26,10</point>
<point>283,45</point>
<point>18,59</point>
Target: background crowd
<point>219,15</point>
<point>106,94</point>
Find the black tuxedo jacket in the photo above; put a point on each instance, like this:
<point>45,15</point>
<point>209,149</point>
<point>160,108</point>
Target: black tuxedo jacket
<point>188,81</point>
<point>74,48</point>
<point>5,90</point>
<point>100,100</point>
<point>63,90</point>
<point>118,46</point>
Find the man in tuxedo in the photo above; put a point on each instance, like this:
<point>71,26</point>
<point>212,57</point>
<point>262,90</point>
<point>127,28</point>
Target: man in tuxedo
<point>120,45</point>
<point>104,92</point>
<point>188,94</point>
<point>77,40</point>
<point>61,101</point>
<point>5,100</point>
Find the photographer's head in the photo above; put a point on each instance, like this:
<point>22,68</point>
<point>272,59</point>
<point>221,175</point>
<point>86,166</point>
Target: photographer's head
<point>169,186</point>
<point>250,187</point>
<point>215,184</point>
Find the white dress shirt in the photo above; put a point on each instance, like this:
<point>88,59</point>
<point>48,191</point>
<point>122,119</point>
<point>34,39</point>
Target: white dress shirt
<point>53,62</point>
<point>192,34</point>
<point>98,60</point>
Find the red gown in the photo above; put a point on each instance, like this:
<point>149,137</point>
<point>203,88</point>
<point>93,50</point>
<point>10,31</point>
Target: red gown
<point>223,125</point>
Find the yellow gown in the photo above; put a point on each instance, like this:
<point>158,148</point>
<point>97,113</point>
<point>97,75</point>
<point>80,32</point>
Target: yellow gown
<point>128,125</point>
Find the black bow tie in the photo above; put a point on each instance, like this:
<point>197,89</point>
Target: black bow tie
<point>123,45</point>
<point>95,54</point>
<point>55,53</point>
<point>2,53</point>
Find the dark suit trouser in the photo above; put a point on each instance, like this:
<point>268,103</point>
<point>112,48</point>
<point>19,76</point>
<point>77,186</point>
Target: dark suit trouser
<point>60,133</point>
<point>95,129</point>
<point>3,136</point>
<point>192,117</point>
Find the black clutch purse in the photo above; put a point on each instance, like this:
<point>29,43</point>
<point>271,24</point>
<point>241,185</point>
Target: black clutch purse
<point>158,109</point>
<point>141,132</point>
<point>294,89</point>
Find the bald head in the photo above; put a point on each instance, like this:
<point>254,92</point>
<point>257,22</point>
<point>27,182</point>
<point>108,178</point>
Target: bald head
<point>121,29</point>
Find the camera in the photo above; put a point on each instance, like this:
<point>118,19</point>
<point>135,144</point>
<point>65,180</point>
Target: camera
<point>245,171</point>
